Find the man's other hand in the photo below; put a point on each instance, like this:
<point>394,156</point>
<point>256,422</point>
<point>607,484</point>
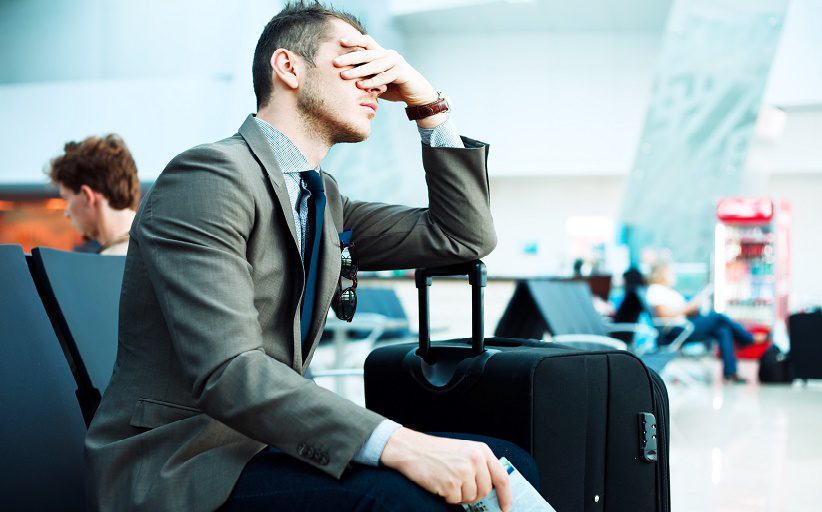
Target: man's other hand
<point>374,66</point>
<point>460,471</point>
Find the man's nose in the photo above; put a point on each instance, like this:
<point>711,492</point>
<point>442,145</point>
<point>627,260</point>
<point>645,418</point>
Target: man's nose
<point>379,90</point>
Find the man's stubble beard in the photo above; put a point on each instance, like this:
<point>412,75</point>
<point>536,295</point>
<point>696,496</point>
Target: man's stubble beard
<point>320,119</point>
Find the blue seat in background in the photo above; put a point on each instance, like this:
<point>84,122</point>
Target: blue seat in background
<point>42,429</point>
<point>382,302</point>
<point>81,294</point>
<point>385,302</point>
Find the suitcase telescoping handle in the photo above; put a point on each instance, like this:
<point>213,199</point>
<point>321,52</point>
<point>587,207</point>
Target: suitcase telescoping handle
<point>477,278</point>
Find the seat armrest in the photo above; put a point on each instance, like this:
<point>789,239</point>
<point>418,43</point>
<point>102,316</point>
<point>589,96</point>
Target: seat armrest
<point>664,324</point>
<point>604,341</point>
<point>634,328</point>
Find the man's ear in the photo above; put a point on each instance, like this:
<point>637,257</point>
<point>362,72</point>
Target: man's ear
<point>89,195</point>
<point>286,68</point>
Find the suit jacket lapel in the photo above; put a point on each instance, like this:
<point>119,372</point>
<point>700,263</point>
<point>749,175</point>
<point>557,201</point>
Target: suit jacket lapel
<point>262,150</point>
<point>329,262</point>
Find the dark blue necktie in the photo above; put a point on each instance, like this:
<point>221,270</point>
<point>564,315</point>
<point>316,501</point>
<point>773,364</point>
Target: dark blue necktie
<point>311,256</point>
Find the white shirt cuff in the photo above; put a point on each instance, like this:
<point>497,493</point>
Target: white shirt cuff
<point>371,451</point>
<point>444,135</point>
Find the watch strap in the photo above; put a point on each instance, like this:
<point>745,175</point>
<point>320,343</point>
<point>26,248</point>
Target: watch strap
<point>417,112</point>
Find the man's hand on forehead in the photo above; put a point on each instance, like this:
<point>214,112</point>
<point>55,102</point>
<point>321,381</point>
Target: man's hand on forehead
<point>375,67</point>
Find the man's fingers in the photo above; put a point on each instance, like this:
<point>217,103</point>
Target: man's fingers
<point>358,57</point>
<point>484,484</point>
<point>469,491</point>
<point>371,68</point>
<point>451,491</point>
<point>362,40</point>
<point>499,478</point>
<point>383,68</point>
<point>379,80</point>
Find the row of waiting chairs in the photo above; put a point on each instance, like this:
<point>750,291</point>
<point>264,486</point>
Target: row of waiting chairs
<point>51,380</point>
<point>81,294</point>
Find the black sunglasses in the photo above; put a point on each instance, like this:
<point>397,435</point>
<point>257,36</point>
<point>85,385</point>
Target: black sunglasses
<point>345,299</point>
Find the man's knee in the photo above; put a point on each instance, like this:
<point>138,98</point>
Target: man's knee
<point>384,489</point>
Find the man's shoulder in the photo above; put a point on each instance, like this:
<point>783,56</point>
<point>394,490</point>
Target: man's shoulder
<point>230,149</point>
<point>226,161</point>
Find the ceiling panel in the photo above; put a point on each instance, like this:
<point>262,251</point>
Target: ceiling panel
<point>500,15</point>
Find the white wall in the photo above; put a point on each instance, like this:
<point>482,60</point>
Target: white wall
<point>549,103</point>
<point>533,210</point>
<point>158,118</point>
<point>803,192</point>
<point>796,76</point>
<point>104,39</point>
<point>798,150</point>
<point>580,96</point>
<point>165,75</point>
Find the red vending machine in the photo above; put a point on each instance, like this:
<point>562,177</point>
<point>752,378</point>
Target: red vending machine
<point>752,266</point>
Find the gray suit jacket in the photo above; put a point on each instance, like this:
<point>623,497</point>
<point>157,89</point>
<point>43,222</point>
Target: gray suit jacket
<point>209,366</point>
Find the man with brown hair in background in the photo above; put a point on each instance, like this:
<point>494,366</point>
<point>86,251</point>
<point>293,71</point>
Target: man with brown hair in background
<point>98,180</point>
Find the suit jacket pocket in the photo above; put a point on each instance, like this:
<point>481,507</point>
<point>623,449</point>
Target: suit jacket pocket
<point>150,413</point>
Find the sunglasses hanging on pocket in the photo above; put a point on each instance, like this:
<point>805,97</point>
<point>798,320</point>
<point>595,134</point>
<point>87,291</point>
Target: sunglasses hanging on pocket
<point>345,299</point>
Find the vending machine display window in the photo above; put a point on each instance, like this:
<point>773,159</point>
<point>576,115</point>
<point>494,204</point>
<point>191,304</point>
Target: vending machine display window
<point>751,265</point>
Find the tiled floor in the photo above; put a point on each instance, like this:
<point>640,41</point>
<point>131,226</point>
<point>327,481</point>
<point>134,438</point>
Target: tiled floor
<point>746,448</point>
<point>734,448</point>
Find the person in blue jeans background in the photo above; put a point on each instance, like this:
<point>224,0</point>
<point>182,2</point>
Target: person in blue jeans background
<point>669,304</point>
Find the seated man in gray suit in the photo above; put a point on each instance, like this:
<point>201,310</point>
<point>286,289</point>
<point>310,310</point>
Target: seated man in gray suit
<point>234,260</point>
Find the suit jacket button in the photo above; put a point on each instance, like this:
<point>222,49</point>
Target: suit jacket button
<point>323,460</point>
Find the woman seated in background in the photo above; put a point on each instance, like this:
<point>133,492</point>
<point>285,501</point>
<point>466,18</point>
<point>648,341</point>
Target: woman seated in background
<point>669,304</point>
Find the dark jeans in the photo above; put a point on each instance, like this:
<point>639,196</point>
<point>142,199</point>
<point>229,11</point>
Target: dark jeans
<point>274,481</point>
<point>725,331</point>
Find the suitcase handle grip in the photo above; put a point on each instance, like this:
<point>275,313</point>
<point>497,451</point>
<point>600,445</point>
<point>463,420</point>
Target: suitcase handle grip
<point>477,278</point>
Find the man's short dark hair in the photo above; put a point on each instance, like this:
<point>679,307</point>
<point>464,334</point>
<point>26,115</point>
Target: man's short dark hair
<point>300,27</point>
<point>104,164</point>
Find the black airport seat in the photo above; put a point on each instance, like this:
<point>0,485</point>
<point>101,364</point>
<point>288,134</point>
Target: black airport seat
<point>560,307</point>
<point>81,293</point>
<point>565,309</point>
<point>42,429</point>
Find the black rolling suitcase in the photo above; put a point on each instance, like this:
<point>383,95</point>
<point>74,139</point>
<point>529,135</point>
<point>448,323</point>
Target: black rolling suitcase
<point>595,421</point>
<point>805,331</point>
